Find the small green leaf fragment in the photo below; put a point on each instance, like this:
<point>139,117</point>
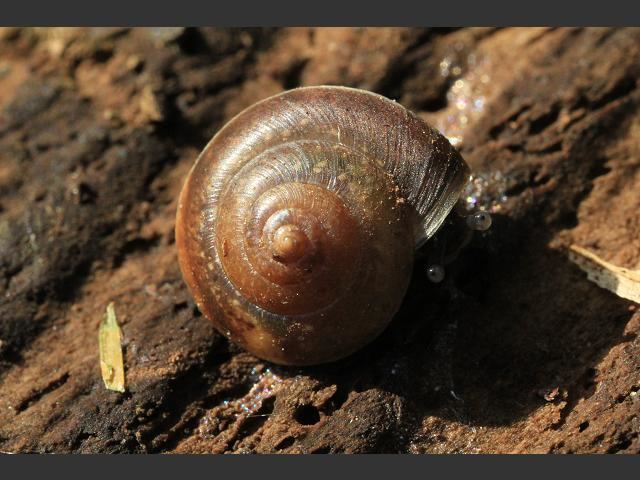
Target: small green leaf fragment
<point>111,362</point>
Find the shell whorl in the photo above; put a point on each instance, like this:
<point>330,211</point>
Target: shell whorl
<point>297,224</point>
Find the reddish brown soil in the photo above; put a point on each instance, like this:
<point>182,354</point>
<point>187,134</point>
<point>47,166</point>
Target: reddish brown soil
<point>517,352</point>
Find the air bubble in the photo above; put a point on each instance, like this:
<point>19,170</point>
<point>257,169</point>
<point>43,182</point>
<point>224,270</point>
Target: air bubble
<point>435,273</point>
<point>480,221</point>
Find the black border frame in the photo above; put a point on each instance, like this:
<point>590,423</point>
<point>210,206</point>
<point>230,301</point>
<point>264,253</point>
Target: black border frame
<point>321,13</point>
<point>320,466</point>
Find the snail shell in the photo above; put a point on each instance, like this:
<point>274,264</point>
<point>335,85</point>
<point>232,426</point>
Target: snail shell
<point>297,225</point>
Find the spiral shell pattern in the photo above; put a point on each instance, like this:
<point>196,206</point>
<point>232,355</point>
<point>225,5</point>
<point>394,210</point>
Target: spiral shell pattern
<point>297,224</point>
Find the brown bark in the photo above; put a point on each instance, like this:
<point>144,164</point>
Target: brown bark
<point>518,352</point>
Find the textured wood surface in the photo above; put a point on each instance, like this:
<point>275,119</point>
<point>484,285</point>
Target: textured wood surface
<point>516,352</point>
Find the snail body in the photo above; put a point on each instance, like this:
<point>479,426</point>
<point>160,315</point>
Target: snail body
<point>297,225</point>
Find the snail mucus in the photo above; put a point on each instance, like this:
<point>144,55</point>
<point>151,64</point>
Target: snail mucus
<point>297,225</point>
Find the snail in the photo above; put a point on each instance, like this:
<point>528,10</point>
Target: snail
<point>297,225</point>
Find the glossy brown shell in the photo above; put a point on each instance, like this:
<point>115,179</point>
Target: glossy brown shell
<point>297,224</point>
